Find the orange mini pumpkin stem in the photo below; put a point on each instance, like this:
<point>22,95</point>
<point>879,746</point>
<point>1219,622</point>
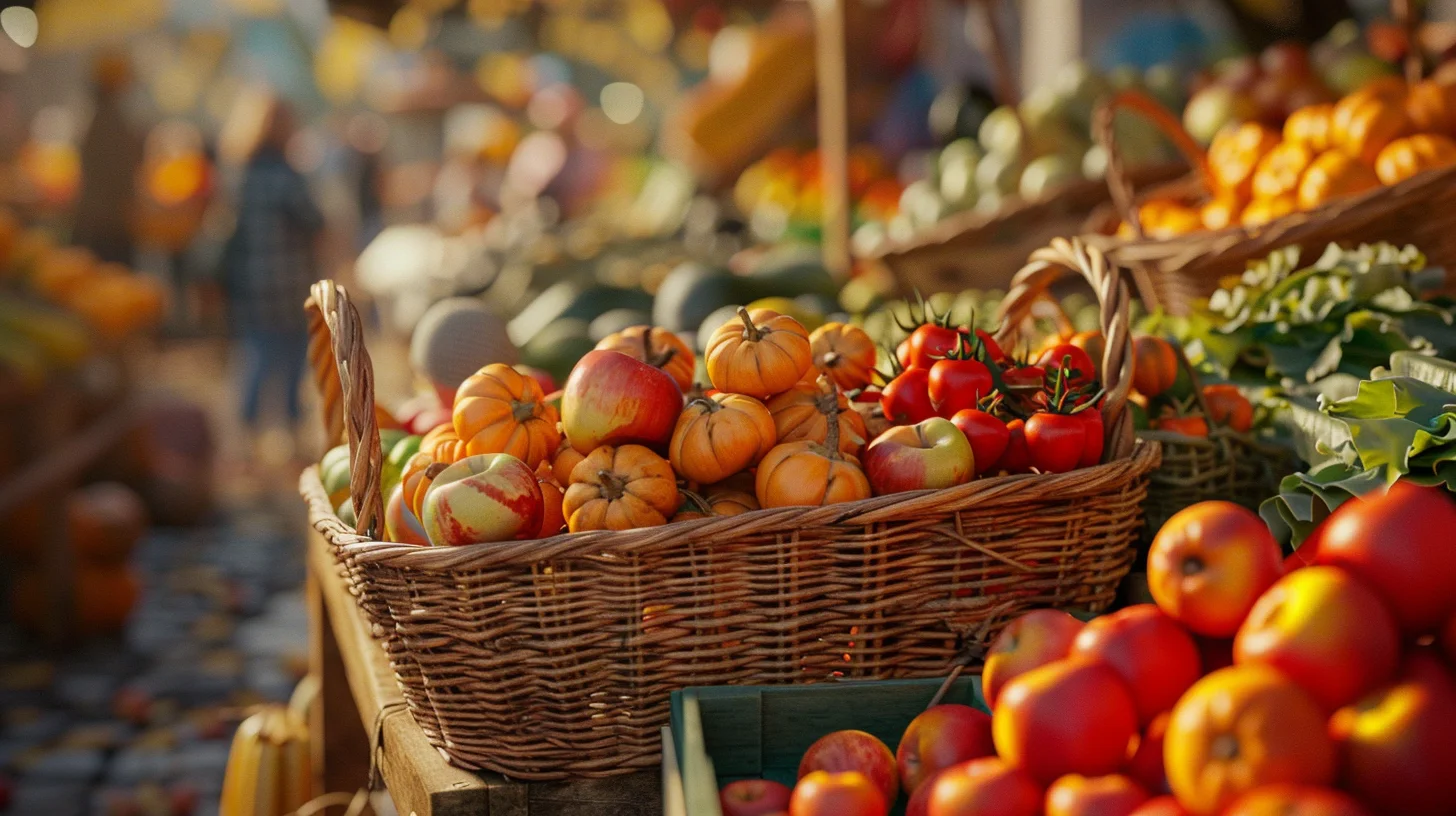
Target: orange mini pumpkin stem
<point>750,331</point>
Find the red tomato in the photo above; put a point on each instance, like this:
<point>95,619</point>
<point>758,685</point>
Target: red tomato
<point>987,434</point>
<point>930,342</point>
<point>1080,369</point>
<point>956,385</point>
<point>993,349</point>
<point>906,400</point>
<point>904,353</point>
<point>1055,442</point>
<point>1024,377</point>
<point>1186,425</point>
<point>1399,544</point>
<point>1016,458</point>
<point>1092,451</point>
<point>1227,406</point>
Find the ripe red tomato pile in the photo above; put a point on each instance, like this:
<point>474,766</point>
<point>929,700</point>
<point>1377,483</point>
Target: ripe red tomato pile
<point>1019,416</point>
<point>1323,688</point>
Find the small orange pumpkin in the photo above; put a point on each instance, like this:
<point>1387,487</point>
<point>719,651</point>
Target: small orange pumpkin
<point>1431,106</point>
<point>1236,151</point>
<point>443,444</point>
<point>844,352</point>
<point>727,499</point>
<point>415,479</point>
<point>1366,121</point>
<point>797,474</point>
<point>759,354</point>
<point>564,461</point>
<point>1406,157</point>
<point>1220,211</point>
<point>500,410</point>
<point>1263,210</point>
<point>720,435</point>
<point>802,414</point>
<point>1279,171</point>
<point>1310,126</point>
<point>658,347</point>
<point>1334,173</point>
<point>1165,218</point>
<point>553,517</point>
<point>620,488</point>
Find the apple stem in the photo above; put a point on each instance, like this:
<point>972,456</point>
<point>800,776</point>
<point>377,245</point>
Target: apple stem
<point>750,332</point>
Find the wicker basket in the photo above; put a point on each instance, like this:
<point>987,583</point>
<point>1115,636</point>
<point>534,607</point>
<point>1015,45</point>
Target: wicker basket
<point>543,659</point>
<point>1175,273</point>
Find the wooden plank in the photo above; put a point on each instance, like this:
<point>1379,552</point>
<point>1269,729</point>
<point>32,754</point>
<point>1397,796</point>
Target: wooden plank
<point>72,455</point>
<point>419,779</point>
<point>833,109</point>
<point>340,744</point>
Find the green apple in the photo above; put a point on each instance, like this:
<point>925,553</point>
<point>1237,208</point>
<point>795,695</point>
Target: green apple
<point>997,173</point>
<point>1000,132</point>
<point>1214,107</point>
<point>957,173</point>
<point>1045,174</point>
<point>1351,71</point>
<point>921,203</point>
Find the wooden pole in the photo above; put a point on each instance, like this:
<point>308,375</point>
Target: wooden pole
<point>833,106</point>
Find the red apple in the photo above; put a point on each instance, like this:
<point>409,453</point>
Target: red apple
<point>1324,630</point>
<point>1156,657</point>
<point>919,802</point>
<point>1111,795</point>
<point>1072,716</point>
<point>1397,747</point>
<point>1399,544</point>
<point>1028,642</point>
<point>1209,563</point>
<point>1146,763</point>
<point>487,497</point>
<point>932,453</point>
<point>982,787</point>
<point>613,399</point>
<point>400,524</point>
<point>850,793</point>
<point>854,751</point>
<point>753,797</point>
<point>940,737</point>
<point>1161,806</point>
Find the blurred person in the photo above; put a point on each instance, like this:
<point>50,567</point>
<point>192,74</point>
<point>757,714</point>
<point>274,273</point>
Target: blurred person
<point>111,155</point>
<point>272,257</point>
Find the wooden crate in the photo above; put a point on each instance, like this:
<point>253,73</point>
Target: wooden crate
<point>722,734</point>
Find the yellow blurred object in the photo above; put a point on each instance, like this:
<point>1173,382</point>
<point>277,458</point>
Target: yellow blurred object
<point>1406,157</point>
<point>1364,122</point>
<point>117,304</point>
<point>1310,126</point>
<point>344,56</point>
<point>53,170</point>
<point>176,180</point>
<point>1162,218</point>
<point>1334,173</point>
<point>269,769</point>
<point>1221,211</point>
<point>1278,173</point>
<point>1234,153</point>
<point>1264,210</point>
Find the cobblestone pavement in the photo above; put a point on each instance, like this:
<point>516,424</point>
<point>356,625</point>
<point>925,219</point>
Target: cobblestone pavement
<point>141,725</point>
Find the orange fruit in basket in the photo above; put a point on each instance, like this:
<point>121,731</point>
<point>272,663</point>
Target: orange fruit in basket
<point>1165,218</point>
<point>1236,151</point>
<point>1279,172</point>
<point>1222,210</point>
<point>1310,126</point>
<point>1334,174</point>
<point>1431,106</point>
<point>1295,800</point>
<point>655,346</point>
<point>1366,121</point>
<point>500,410</point>
<point>1263,210</point>
<point>620,488</point>
<point>1406,157</point>
<point>1242,728</point>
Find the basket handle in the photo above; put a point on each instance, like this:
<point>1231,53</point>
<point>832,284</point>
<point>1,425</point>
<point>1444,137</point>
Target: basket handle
<point>1033,283</point>
<point>1104,130</point>
<point>345,376</point>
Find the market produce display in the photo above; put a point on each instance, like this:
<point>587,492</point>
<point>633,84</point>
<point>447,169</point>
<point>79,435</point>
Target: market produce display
<point>1251,685</point>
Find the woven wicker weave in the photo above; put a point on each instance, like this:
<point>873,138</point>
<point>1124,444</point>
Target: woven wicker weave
<point>543,659</point>
<point>1175,273</point>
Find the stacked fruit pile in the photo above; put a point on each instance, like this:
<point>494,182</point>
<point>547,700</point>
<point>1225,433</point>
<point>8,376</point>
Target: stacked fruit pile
<point>1323,684</point>
<point>632,442</point>
<point>1383,133</point>
<point>782,194</point>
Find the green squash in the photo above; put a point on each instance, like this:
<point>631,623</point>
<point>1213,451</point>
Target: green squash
<point>556,348</point>
<point>395,458</point>
<point>334,473</point>
<point>692,291</point>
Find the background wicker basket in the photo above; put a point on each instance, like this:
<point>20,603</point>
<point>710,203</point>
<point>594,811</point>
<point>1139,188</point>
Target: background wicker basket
<point>543,659</point>
<point>1175,273</point>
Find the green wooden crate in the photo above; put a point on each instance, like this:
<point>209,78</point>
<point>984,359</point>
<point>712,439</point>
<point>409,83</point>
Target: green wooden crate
<point>721,734</point>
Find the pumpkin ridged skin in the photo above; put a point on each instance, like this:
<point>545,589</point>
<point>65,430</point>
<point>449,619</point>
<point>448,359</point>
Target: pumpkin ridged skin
<point>720,435</point>
<point>729,500</point>
<point>1366,121</point>
<point>443,444</point>
<point>657,347</point>
<point>1406,157</point>
<point>418,473</point>
<point>802,414</point>
<point>806,473</point>
<point>620,488</point>
<point>500,410</point>
<point>1310,126</point>
<point>758,353</point>
<point>1431,107</point>
<point>1333,174</point>
<point>1236,151</point>
<point>845,353</point>
<point>1279,171</point>
<point>565,461</point>
<point>1263,210</point>
<point>553,517</point>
